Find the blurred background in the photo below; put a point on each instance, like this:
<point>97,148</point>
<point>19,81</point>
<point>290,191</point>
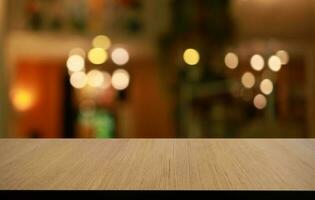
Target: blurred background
<point>162,68</point>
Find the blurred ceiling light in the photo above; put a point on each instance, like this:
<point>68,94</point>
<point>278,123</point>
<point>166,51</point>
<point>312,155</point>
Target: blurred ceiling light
<point>257,62</point>
<point>248,80</point>
<point>78,80</point>
<point>101,41</point>
<point>77,51</point>
<point>22,99</point>
<point>75,63</point>
<point>120,56</point>
<point>231,60</point>
<point>95,78</point>
<point>266,86</point>
<point>120,79</point>
<point>274,63</point>
<point>260,101</point>
<point>107,80</point>
<point>284,56</point>
<point>191,56</point>
<point>97,56</point>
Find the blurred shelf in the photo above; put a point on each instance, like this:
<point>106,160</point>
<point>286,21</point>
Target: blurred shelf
<point>227,164</point>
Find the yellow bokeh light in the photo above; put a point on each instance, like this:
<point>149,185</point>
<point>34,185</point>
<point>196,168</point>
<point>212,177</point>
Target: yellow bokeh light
<point>75,63</point>
<point>120,56</point>
<point>248,80</point>
<point>95,78</point>
<point>231,60</point>
<point>191,56</point>
<point>266,86</point>
<point>120,79</point>
<point>257,62</point>
<point>22,99</point>
<point>274,63</point>
<point>101,41</point>
<point>260,101</point>
<point>78,80</point>
<point>284,56</point>
<point>77,51</point>
<point>97,56</point>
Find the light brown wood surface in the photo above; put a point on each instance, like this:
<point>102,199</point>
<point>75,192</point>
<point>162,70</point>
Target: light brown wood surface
<point>171,164</point>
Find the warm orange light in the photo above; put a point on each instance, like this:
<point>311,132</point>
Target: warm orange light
<point>191,56</point>
<point>260,101</point>
<point>120,56</point>
<point>248,80</point>
<point>257,62</point>
<point>284,56</point>
<point>231,60</point>
<point>97,56</point>
<point>120,79</point>
<point>274,63</point>
<point>22,99</point>
<point>101,41</point>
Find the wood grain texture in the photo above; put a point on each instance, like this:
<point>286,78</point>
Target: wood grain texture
<point>171,164</point>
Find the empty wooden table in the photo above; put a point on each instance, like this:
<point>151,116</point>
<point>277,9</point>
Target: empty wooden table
<point>157,164</point>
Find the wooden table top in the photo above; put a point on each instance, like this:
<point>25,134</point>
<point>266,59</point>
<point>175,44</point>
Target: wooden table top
<point>154,164</point>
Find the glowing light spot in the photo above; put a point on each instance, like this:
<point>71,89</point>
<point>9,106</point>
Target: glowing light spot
<point>284,56</point>
<point>120,56</point>
<point>77,51</point>
<point>22,99</point>
<point>101,41</point>
<point>75,63</point>
<point>120,79</point>
<point>95,78</point>
<point>266,86</point>
<point>191,56</point>
<point>78,80</point>
<point>260,101</point>
<point>257,62</point>
<point>248,80</point>
<point>231,60</point>
<point>274,63</point>
<point>97,56</point>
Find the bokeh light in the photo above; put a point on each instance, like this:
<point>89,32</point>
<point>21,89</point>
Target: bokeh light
<point>248,80</point>
<point>266,86</point>
<point>231,60</point>
<point>22,99</point>
<point>78,80</point>
<point>120,79</point>
<point>260,101</point>
<point>97,56</point>
<point>284,56</point>
<point>120,56</point>
<point>257,62</point>
<point>95,78</point>
<point>75,63</point>
<point>101,41</point>
<point>274,63</point>
<point>191,56</point>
